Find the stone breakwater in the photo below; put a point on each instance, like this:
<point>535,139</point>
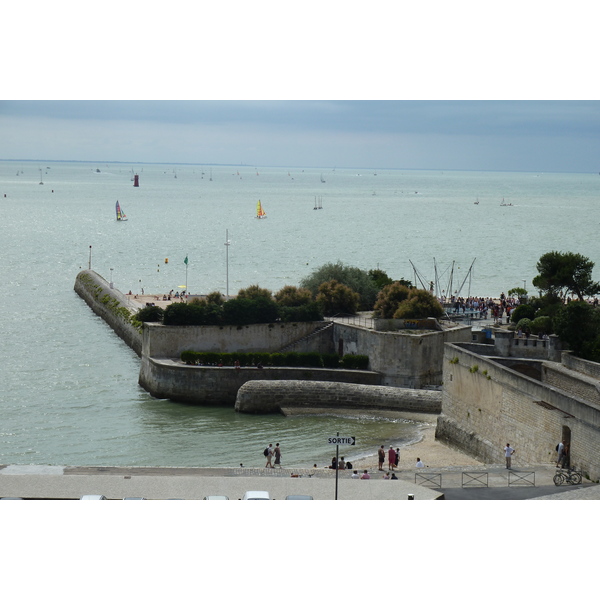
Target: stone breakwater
<point>111,305</point>
<point>274,396</point>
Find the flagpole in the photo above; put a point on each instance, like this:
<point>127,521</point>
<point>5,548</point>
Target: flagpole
<point>227,243</point>
<point>186,273</point>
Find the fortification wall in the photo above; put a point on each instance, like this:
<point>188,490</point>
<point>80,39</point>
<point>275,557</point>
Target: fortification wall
<point>586,367</point>
<point>273,396</point>
<point>486,404</point>
<point>572,382</point>
<point>167,378</point>
<point>111,305</point>
<point>160,341</point>
<point>412,360</point>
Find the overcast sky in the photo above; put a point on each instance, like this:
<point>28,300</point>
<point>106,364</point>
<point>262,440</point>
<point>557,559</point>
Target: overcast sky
<point>433,85</point>
<point>468,135</point>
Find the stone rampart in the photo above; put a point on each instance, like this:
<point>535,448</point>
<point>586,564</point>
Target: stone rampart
<point>163,341</point>
<point>111,305</point>
<point>571,382</point>
<point>486,404</point>
<point>586,367</point>
<point>507,344</point>
<point>406,359</point>
<point>273,396</point>
<point>167,378</point>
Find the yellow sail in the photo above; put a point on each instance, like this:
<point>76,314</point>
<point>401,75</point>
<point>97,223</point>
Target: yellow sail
<point>260,213</point>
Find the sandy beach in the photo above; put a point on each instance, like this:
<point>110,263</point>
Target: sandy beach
<point>431,452</point>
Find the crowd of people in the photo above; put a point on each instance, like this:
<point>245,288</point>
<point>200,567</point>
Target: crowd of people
<point>483,307</point>
<point>273,458</point>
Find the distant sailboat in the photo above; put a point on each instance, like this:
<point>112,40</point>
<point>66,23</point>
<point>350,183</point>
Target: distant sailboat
<point>41,182</point>
<point>260,213</point>
<point>322,180</point>
<point>121,216</point>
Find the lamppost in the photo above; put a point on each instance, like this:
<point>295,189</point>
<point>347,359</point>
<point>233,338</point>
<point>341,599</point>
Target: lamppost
<point>111,279</point>
<point>227,244</point>
<point>90,260</point>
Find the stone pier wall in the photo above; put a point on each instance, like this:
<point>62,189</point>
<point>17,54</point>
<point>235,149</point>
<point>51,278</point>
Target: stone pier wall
<point>273,396</point>
<point>111,305</point>
<point>167,378</point>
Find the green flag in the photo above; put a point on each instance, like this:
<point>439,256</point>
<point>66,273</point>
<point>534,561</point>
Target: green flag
<point>186,260</point>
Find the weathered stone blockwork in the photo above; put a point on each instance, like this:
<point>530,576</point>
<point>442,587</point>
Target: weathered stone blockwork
<point>160,341</point>
<point>412,360</point>
<point>486,404</point>
<point>109,304</point>
<point>271,396</point>
<point>219,385</point>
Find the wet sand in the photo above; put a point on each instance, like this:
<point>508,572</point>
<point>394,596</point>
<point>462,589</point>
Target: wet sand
<point>431,452</point>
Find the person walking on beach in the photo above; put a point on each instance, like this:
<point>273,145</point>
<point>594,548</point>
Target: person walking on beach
<point>381,456</point>
<point>277,453</point>
<point>397,457</point>
<point>269,456</point>
<point>508,452</point>
<point>391,458</point>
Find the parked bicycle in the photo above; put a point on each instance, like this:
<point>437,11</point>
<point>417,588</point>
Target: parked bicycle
<point>567,476</point>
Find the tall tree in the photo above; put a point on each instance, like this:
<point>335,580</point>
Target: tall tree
<point>389,299</point>
<point>356,279</point>
<point>335,297</point>
<point>564,273</point>
<point>578,324</point>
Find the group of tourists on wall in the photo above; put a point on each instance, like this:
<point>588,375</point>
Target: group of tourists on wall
<point>484,306</point>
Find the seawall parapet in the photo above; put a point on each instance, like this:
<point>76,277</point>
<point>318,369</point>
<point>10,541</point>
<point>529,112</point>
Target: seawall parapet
<point>166,378</point>
<point>273,396</point>
<point>111,305</point>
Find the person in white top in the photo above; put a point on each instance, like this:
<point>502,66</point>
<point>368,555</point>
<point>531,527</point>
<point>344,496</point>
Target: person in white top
<point>508,452</point>
<point>419,463</point>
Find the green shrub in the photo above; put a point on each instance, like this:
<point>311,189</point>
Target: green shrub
<point>189,357</point>
<point>277,359</point>
<point>419,305</point>
<point>331,361</point>
<point>355,361</point>
<point>292,359</point>
<point>310,359</point>
<point>523,311</point>
<point>307,312</point>
<point>524,325</point>
<point>180,313</point>
<point>150,314</point>
<point>542,324</point>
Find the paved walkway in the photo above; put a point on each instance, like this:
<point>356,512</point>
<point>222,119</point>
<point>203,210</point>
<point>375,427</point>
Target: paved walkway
<point>451,483</point>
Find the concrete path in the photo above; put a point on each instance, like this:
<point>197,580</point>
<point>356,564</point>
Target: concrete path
<point>493,482</point>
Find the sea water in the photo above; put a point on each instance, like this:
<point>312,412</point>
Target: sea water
<point>68,390</point>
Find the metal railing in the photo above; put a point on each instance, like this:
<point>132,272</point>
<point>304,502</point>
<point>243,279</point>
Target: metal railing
<point>357,320</point>
<point>475,479</point>
<point>521,478</point>
<point>429,479</point>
